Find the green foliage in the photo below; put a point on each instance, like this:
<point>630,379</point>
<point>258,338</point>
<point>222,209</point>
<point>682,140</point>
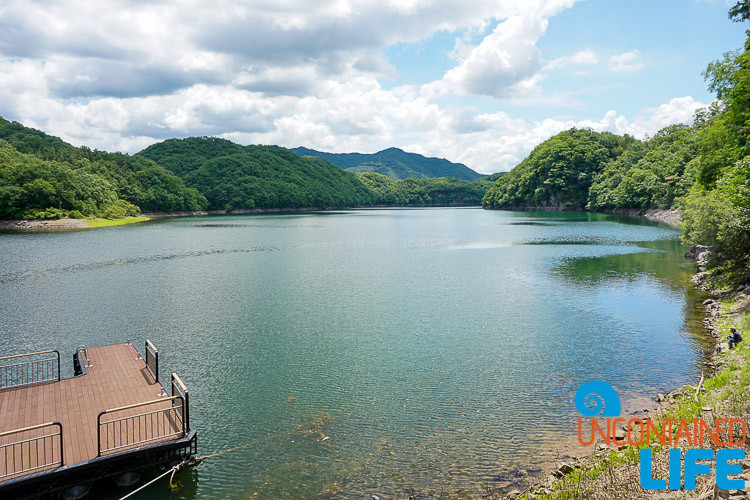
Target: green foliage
<point>493,177</point>
<point>717,212</point>
<point>725,141</point>
<point>39,171</point>
<point>439,191</point>
<point>395,164</point>
<point>650,174</point>
<point>34,188</point>
<point>119,209</point>
<point>245,177</point>
<point>558,172</point>
<point>720,217</point>
<point>740,11</point>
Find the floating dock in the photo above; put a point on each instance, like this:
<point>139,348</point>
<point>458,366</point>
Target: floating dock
<point>113,417</point>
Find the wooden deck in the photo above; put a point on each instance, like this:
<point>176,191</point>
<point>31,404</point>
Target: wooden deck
<point>115,379</point>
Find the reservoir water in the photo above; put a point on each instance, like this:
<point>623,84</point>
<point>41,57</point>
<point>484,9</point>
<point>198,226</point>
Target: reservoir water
<point>369,351</point>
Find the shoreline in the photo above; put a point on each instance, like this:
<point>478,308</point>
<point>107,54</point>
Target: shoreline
<point>53,225</point>
<point>671,217</point>
<point>665,216</point>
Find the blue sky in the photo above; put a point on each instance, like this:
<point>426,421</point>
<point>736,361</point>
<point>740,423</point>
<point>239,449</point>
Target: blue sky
<point>479,82</point>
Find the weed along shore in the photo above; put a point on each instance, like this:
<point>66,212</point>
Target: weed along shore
<point>66,224</point>
<point>703,424</point>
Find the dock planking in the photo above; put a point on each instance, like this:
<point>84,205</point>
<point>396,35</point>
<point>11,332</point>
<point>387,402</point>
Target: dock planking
<point>118,377</point>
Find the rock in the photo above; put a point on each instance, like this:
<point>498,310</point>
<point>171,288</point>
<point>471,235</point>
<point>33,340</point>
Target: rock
<point>514,494</point>
<point>709,302</point>
<point>659,398</point>
<point>707,408</point>
<point>565,468</point>
<point>696,252</point>
<point>601,447</point>
<point>621,434</point>
<point>699,278</point>
<point>723,347</point>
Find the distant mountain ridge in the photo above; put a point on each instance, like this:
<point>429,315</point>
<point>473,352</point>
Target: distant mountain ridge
<point>396,164</point>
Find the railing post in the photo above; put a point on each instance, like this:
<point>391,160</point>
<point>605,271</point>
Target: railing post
<point>182,390</point>
<point>58,374</point>
<point>152,357</point>
<point>62,452</point>
<point>99,433</point>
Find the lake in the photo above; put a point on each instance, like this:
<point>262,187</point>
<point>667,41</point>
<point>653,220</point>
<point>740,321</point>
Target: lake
<point>369,351</point>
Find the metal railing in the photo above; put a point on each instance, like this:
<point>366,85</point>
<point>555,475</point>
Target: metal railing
<point>152,359</point>
<point>22,369</point>
<point>28,454</point>
<point>179,389</point>
<point>130,431</point>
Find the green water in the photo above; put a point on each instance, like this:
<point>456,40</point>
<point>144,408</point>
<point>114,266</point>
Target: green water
<point>437,349</point>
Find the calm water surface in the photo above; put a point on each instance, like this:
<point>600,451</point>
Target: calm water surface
<point>437,349</point>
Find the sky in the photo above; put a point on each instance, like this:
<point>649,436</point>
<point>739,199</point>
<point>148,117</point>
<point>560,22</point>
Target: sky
<point>481,82</point>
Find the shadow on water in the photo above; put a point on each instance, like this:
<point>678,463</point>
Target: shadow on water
<point>664,261</point>
<point>551,218</point>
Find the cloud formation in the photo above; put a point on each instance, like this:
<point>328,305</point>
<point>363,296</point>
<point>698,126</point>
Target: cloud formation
<point>290,72</point>
<point>626,62</point>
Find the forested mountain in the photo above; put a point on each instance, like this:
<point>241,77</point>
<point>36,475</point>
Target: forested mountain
<point>439,191</point>
<point>42,176</point>
<point>558,172</point>
<point>395,164</point>
<point>236,177</point>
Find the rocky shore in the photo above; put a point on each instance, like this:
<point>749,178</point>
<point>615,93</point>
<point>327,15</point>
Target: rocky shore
<point>670,217</point>
<point>43,224</point>
<point>666,216</point>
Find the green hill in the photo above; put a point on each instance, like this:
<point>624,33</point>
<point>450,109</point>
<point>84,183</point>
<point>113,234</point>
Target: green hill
<point>43,176</point>
<point>233,177</point>
<point>559,172</point>
<point>420,192</point>
<point>395,164</point>
<point>582,169</point>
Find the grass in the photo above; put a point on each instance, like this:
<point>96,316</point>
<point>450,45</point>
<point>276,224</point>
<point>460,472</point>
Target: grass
<point>115,222</point>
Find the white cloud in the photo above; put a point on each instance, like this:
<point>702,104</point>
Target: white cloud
<point>626,62</point>
<point>290,72</point>
<point>503,62</point>
<point>582,57</point>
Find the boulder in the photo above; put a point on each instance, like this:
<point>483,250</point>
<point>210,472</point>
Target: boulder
<point>565,468</point>
<point>697,253</point>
